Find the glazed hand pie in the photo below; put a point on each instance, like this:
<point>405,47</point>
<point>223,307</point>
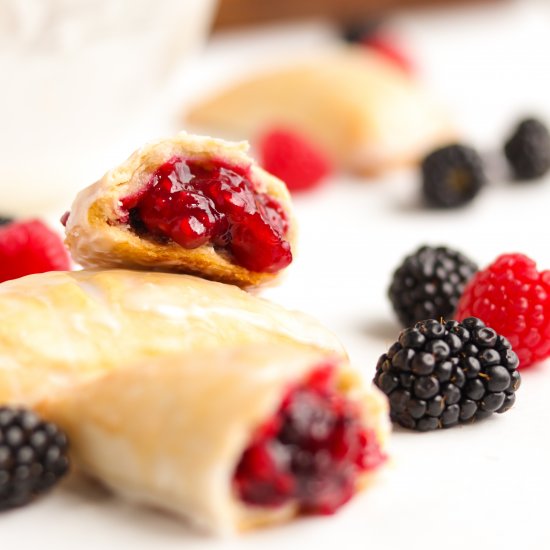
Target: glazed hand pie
<point>59,328</point>
<point>189,204</point>
<point>367,114</point>
<point>231,438</point>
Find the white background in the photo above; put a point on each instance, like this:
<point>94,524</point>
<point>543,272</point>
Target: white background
<point>480,486</point>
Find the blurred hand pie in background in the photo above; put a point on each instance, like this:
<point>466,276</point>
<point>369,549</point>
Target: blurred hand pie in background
<point>366,113</point>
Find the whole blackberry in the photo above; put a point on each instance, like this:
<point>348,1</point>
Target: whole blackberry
<point>357,31</point>
<point>452,176</point>
<point>439,374</point>
<point>429,283</point>
<point>33,456</point>
<point>4,220</point>
<point>528,149</point>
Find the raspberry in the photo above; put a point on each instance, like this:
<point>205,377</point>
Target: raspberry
<point>30,247</point>
<point>292,158</point>
<point>452,176</point>
<point>391,50</point>
<point>439,374</point>
<point>368,35</point>
<point>528,150</point>
<point>514,298</point>
<point>33,456</point>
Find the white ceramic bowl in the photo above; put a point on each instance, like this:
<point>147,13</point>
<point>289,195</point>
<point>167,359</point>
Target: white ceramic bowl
<point>77,78</point>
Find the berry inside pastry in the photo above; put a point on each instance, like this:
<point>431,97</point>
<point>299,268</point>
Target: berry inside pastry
<point>312,451</point>
<point>188,204</point>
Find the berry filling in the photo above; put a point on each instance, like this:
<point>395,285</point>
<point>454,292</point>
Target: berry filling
<point>311,452</point>
<point>197,202</point>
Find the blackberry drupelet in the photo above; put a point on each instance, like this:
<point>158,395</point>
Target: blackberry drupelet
<point>33,456</point>
<point>438,375</point>
<point>429,283</point>
<point>452,176</point>
<point>528,149</point>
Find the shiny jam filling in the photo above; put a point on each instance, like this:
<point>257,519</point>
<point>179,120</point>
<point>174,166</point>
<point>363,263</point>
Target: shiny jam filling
<point>310,452</point>
<point>197,202</point>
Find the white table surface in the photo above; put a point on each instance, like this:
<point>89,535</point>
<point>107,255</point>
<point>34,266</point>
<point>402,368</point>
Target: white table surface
<point>480,486</point>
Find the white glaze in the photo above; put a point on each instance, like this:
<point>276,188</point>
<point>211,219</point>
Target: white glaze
<point>58,326</point>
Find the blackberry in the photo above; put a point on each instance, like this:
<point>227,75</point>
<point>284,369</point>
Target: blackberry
<point>357,31</point>
<point>528,149</point>
<point>440,374</point>
<point>452,176</point>
<point>33,456</point>
<point>4,220</point>
<point>429,283</point>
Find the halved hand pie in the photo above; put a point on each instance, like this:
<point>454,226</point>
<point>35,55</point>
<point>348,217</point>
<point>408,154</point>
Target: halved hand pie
<point>59,328</point>
<point>230,438</point>
<point>188,204</point>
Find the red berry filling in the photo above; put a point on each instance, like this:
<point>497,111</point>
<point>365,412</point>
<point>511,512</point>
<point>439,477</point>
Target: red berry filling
<point>311,452</point>
<point>196,202</point>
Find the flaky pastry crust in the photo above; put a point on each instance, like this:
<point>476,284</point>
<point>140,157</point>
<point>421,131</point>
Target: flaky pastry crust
<point>97,238</point>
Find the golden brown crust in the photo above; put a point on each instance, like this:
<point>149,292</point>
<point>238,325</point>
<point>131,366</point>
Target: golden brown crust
<point>98,239</point>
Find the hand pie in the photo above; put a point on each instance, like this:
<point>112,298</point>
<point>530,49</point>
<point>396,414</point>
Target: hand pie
<point>230,438</point>
<point>57,328</point>
<point>366,114</point>
<point>188,204</point>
